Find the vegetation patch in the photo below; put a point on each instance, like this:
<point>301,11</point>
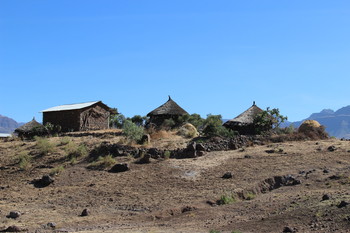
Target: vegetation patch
<point>57,170</point>
<point>102,163</point>
<point>24,160</point>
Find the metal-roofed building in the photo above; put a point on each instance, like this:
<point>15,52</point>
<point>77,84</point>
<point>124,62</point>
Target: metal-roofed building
<point>78,117</point>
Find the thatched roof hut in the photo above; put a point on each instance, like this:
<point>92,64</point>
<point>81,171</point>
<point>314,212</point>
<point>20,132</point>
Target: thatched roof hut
<point>78,117</point>
<point>169,110</point>
<point>244,123</point>
<point>31,129</point>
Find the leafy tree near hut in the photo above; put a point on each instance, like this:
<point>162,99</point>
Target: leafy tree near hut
<point>139,120</point>
<point>132,131</point>
<point>268,120</point>
<point>116,119</point>
<point>213,127</point>
<point>195,119</point>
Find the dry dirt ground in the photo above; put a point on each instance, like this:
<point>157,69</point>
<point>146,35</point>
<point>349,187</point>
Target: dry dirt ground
<point>171,195</point>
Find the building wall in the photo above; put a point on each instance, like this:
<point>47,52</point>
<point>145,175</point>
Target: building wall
<point>94,118</point>
<point>68,120</point>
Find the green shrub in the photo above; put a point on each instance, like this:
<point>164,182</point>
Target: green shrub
<point>214,231</point>
<point>75,151</point>
<point>56,170</point>
<point>168,123</point>
<point>132,132</point>
<point>102,162</point>
<point>268,120</point>
<point>250,196</point>
<point>226,199</point>
<point>44,146</point>
<point>24,160</point>
<point>167,154</point>
<point>213,127</point>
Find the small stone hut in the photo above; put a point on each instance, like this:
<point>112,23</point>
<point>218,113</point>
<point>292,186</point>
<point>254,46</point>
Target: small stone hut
<point>78,117</point>
<point>169,110</point>
<point>31,129</point>
<point>244,123</point>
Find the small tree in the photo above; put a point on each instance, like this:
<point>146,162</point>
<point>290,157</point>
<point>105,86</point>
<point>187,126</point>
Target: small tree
<point>117,120</point>
<point>268,120</point>
<point>132,131</point>
<point>213,127</point>
<point>139,120</point>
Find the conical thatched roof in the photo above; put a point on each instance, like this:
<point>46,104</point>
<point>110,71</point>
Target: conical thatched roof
<point>245,118</point>
<point>169,108</point>
<point>28,127</point>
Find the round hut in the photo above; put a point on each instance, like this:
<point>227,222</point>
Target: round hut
<point>31,129</point>
<point>244,123</point>
<point>169,110</point>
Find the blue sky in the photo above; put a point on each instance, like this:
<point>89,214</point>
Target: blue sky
<point>211,56</point>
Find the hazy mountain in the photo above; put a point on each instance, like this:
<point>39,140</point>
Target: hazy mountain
<point>7,125</point>
<point>337,123</point>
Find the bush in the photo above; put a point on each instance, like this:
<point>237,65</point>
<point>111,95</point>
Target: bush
<point>75,151</point>
<point>167,154</point>
<point>23,161</point>
<point>168,123</point>
<point>268,120</point>
<point>53,129</point>
<point>250,196</point>
<point>64,141</point>
<point>44,146</point>
<point>102,162</point>
<point>213,127</point>
<point>56,170</point>
<point>132,132</point>
<point>226,199</point>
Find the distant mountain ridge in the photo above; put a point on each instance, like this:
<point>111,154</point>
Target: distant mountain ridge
<point>337,123</point>
<point>8,125</point>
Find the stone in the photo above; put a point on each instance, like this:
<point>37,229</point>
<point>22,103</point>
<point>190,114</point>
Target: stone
<point>86,212</point>
<point>247,156</point>
<point>14,214</point>
<point>187,209</point>
<point>342,204</point>
<point>331,148</point>
<point>46,180</point>
<point>13,229</point>
<point>200,147</point>
<point>227,175</point>
<point>144,159</point>
<point>325,197</point>
<point>288,229</point>
<point>120,167</point>
<point>325,171</point>
<point>146,139</point>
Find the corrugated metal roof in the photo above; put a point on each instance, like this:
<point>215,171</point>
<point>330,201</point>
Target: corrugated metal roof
<point>70,107</point>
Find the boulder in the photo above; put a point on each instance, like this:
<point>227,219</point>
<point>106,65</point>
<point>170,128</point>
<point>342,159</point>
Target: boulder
<point>227,175</point>
<point>14,214</point>
<point>120,167</point>
<point>86,212</point>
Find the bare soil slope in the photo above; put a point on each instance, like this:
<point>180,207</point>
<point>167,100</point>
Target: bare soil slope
<point>180,195</point>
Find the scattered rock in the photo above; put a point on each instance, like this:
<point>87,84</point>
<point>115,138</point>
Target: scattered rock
<point>146,139</point>
<point>200,147</point>
<point>51,225</point>
<point>331,148</point>
<point>334,177</point>
<point>86,212</point>
<point>325,197</point>
<point>227,175</point>
<point>342,204</point>
<point>270,151</point>
<point>212,203</point>
<point>288,229</point>
<point>325,171</point>
<point>188,208</point>
<point>247,156</point>
<point>13,229</point>
<point>14,214</point>
<point>46,180</point>
<point>144,159</point>
<point>120,167</point>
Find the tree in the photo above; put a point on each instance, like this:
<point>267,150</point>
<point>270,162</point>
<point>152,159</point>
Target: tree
<point>132,131</point>
<point>139,120</point>
<point>213,127</point>
<point>268,120</point>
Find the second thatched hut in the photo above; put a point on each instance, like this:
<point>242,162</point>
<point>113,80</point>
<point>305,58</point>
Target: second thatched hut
<point>244,123</point>
<point>169,110</point>
<point>31,129</point>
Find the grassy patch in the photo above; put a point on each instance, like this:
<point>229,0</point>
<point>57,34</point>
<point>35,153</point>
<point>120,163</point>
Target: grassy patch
<point>250,196</point>
<point>65,141</point>
<point>226,199</point>
<point>75,151</point>
<point>167,154</point>
<point>56,170</point>
<point>102,163</point>
<point>24,160</point>
<point>44,146</point>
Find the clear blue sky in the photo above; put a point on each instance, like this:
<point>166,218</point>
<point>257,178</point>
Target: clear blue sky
<point>211,56</point>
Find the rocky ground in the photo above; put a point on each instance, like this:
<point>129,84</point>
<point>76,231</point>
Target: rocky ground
<point>277,187</point>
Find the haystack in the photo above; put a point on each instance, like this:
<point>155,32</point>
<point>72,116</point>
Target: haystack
<point>308,125</point>
<point>188,130</point>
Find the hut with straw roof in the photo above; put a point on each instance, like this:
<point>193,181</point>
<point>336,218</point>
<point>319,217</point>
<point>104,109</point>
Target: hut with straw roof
<point>78,117</point>
<point>244,123</point>
<point>31,129</point>
<point>169,110</point>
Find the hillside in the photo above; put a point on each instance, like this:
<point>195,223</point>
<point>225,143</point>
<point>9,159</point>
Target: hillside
<point>337,123</point>
<point>7,125</point>
<point>300,185</point>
